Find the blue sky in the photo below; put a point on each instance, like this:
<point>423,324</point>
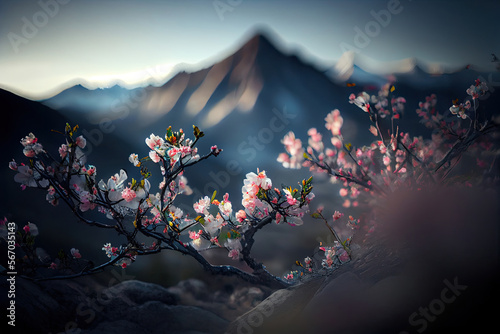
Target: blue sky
<point>46,44</point>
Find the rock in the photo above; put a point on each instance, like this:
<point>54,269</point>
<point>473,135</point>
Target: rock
<point>157,317</point>
<point>432,266</point>
<point>85,306</point>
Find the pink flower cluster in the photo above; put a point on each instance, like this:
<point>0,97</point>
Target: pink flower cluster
<point>294,156</point>
<point>161,149</point>
<point>334,255</point>
<point>31,146</point>
<point>478,89</point>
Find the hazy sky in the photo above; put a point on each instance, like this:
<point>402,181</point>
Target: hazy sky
<point>48,43</point>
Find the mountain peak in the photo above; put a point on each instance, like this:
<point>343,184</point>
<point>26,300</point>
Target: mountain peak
<point>262,38</point>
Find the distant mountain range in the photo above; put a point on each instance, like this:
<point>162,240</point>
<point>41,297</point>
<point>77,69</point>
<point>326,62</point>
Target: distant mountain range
<point>247,102</point>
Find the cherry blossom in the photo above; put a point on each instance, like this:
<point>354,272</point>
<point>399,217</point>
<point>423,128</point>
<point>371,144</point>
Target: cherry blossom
<point>260,180</point>
<point>63,151</point>
<point>241,216</point>
<point>128,194</point>
<point>234,246</point>
<point>27,177</point>
<point>334,122</point>
<point>81,142</point>
<point>478,89</point>
<point>154,156</point>
<point>202,205</point>
<point>134,159</point>
<point>295,152</point>
<point>225,207</point>
<point>86,201</point>
<point>337,215</point>
<point>154,142</point>
<point>75,253</point>
<point>361,101</point>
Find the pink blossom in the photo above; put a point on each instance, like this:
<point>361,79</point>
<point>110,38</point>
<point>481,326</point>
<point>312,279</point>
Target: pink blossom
<point>185,150</point>
<point>334,122</point>
<point>225,208</point>
<point>248,202</point>
<point>292,145</point>
<point>343,192</point>
<point>336,142</point>
<point>26,229</point>
<point>81,142</point>
<point>90,171</point>
<point>29,140</point>
<point>315,135</point>
<point>344,257</point>
<point>154,156</point>
<point>284,159</point>
<point>63,151</point>
<point>278,217</point>
<point>86,201</point>
<point>195,235</point>
<point>13,165</point>
<point>134,159</point>
<point>290,200</point>
<point>29,152</point>
<point>337,215</point>
<point>202,205</point>
<point>53,265</point>
<point>387,160</point>
<point>110,251</point>
<point>234,254</point>
<point>128,194</point>
<point>173,152</point>
<point>361,101</point>
<point>215,241</point>
<point>75,253</point>
<point>241,216</point>
<point>154,142</point>
<point>215,150</point>
<point>330,153</point>
<point>260,180</point>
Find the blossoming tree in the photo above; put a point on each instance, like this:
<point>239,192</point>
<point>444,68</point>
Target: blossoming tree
<point>397,160</point>
<point>131,208</point>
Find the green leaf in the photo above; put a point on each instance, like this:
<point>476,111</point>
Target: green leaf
<point>200,220</point>
<point>169,132</point>
<point>213,196</point>
<point>197,133</point>
<point>316,215</point>
<point>306,156</point>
